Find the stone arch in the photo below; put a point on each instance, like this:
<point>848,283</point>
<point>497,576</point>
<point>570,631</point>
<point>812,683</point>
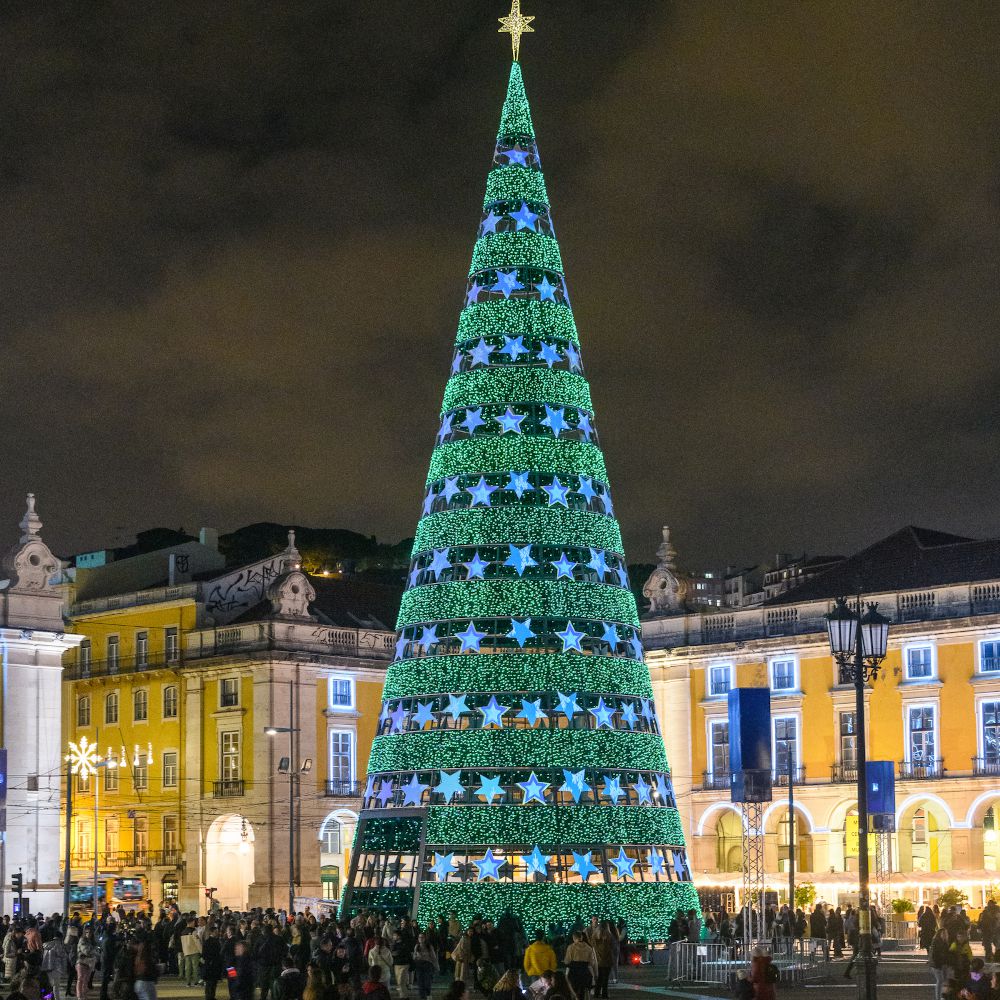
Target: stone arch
<point>229,860</point>
<point>711,810</point>
<point>923,833</point>
<point>336,835</point>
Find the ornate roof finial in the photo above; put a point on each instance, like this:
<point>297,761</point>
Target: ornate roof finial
<point>292,560</point>
<point>666,553</point>
<point>31,523</point>
<point>515,24</point>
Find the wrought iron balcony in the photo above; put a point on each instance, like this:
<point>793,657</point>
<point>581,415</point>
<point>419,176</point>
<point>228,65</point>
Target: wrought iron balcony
<point>781,777</point>
<point>119,860</point>
<point>716,780</point>
<point>123,665</point>
<point>847,773</point>
<point>921,770</point>
<point>231,788</point>
<point>344,789</point>
<point>986,766</point>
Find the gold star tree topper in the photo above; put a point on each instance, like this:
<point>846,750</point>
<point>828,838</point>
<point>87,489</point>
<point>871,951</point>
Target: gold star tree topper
<point>515,24</point>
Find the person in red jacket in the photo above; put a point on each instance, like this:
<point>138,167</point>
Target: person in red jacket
<point>373,988</point>
<point>763,975</point>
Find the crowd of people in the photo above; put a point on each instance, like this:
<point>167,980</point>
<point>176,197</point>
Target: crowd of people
<point>269,955</point>
<point>946,937</point>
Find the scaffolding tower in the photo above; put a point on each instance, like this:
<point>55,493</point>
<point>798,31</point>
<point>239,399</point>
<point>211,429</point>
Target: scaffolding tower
<point>754,921</point>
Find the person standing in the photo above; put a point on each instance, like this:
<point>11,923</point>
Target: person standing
<point>54,959</point>
<point>401,950</point>
<point>989,928</point>
<point>86,961</point>
<point>144,968</point>
<point>601,942</point>
<point>425,964</point>
<point>763,975</point>
<point>241,977</point>
<point>211,960</point>
<point>581,965</point>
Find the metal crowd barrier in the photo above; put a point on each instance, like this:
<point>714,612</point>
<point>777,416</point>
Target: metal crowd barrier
<point>797,962</point>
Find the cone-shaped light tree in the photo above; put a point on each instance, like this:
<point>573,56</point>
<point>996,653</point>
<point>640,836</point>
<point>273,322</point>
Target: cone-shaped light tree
<point>518,766</point>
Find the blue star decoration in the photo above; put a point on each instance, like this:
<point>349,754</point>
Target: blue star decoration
<point>536,862</point>
<point>549,353</point>
<point>657,866</point>
<point>575,784</point>
<point>602,714</point>
<point>564,567</point>
<point>414,574</point>
<point>401,645</point>
<point>445,429</point>
<point>663,789</point>
<point>369,787</point>
<point>413,791</point>
<point>573,357</point>
<point>610,635</point>
<point>531,711</point>
<point>642,789</point>
<point>493,712</point>
<point>646,709</point>
<point>480,354</point>
<point>583,424</point>
<point>472,296</point>
<point>557,493</point>
<point>546,290</point>
<point>510,422</point>
<point>385,791</point>
<point>450,785</point>
<point>482,492</point>
<point>398,717</point>
<point>513,346</point>
<point>517,156</point>
<point>598,563</point>
<point>489,865</point>
<point>456,362</point>
<point>470,638</point>
<point>555,418</point>
<point>636,643</point>
<point>450,488</point>
<point>624,865</point>
<point>534,790</point>
<point>507,283</point>
<point>476,567</point>
<point>428,502</point>
<point>457,706</point>
<point>622,573</point>
<point>613,788</point>
<point>473,419</point>
<point>439,563</point>
<point>489,788</point>
<point>490,223</point>
<point>444,865</point>
<point>521,632</point>
<point>628,714</point>
<point>424,714</point>
<point>524,217</point>
<point>519,484</point>
<point>520,558</point>
<point>583,866</point>
<point>567,704</point>
<point>384,716</point>
<point>585,489</point>
<point>571,638</point>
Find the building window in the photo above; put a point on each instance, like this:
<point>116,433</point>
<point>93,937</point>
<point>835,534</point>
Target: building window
<point>83,711</point>
<point>331,838</point>
<point>111,709</point>
<point>920,723</point>
<point>171,645</point>
<point>341,692</point>
<point>170,769</point>
<point>783,675</point>
<point>229,692</point>
<point>229,753</point>
<point>140,776</point>
<point>919,663</point>
<point>140,836</point>
<point>82,839</point>
<point>141,650</point>
<point>171,840</point>
<point>83,658</point>
<point>110,779</point>
<point>330,882</point>
<point>720,748</point>
<point>341,756</point>
<point>114,648</point>
<point>111,836</point>
<point>785,740</point>
<point>140,705</point>
<point>719,679</point>
<point>849,741</point>
<point>919,826</point>
<point>170,702</point>
<point>83,782</point>
<point>991,732</point>
<point>989,656</point>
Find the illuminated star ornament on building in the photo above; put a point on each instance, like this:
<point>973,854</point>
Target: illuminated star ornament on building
<point>515,24</point>
<point>512,734</point>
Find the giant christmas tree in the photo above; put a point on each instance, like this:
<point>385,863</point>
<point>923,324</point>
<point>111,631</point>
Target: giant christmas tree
<point>518,765</point>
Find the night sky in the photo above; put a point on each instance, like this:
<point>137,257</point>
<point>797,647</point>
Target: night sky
<point>235,238</point>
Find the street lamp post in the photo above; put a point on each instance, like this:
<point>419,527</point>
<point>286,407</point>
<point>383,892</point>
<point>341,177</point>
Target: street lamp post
<point>287,766</point>
<point>858,642</point>
<point>84,760</point>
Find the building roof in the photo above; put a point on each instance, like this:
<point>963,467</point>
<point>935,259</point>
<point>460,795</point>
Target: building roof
<point>910,559</point>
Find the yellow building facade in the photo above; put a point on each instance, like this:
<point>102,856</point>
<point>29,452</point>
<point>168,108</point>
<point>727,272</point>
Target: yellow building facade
<point>179,685</point>
<point>934,712</point>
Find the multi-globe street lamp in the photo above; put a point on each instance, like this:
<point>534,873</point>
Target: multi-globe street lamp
<point>287,766</point>
<point>858,641</point>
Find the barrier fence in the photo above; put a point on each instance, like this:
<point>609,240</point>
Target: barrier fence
<point>700,962</point>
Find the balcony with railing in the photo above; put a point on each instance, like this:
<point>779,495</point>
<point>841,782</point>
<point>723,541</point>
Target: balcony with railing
<point>338,789</point>
<point>715,780</point>
<point>780,778</point>
<point>844,773</point>
<point>921,770</point>
<point>230,788</point>
<point>109,861</point>
<point>122,665</point>
<point>988,766</point>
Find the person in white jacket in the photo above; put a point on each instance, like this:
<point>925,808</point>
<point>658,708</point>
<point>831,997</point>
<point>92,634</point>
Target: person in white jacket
<point>380,954</point>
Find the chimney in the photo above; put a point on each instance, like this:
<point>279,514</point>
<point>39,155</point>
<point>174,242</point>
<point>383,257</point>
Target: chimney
<point>209,537</point>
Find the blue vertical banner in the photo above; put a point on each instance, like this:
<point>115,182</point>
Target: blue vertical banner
<point>3,790</point>
<point>750,744</point>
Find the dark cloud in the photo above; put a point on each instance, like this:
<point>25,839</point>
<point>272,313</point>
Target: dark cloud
<point>235,241</point>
